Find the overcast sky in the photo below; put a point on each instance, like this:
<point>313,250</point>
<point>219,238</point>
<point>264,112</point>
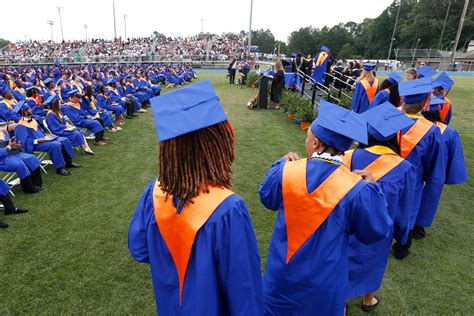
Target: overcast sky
<point>175,17</point>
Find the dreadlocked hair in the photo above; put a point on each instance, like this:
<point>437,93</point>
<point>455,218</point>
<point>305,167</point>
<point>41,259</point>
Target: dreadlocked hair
<point>190,163</point>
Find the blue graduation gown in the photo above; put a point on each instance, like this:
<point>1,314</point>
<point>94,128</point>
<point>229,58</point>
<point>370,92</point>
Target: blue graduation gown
<point>8,115</point>
<point>360,102</point>
<point>104,115</point>
<point>315,281</point>
<point>26,136</point>
<point>102,103</point>
<point>456,173</point>
<point>367,263</point>
<point>57,127</point>
<point>37,111</point>
<point>429,160</point>
<point>20,163</point>
<point>223,276</point>
<point>319,72</point>
<point>4,188</point>
<point>78,118</point>
<point>381,96</point>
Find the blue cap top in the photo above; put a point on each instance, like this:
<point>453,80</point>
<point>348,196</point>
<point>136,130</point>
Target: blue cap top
<point>443,81</point>
<point>47,80</point>
<point>337,127</point>
<point>186,110</point>
<point>50,99</point>
<point>394,78</point>
<point>426,71</point>
<point>21,106</point>
<point>111,80</point>
<point>293,54</point>
<point>324,48</point>
<point>415,90</point>
<point>73,92</point>
<point>435,102</point>
<point>385,120</point>
<point>369,67</point>
<point>30,88</point>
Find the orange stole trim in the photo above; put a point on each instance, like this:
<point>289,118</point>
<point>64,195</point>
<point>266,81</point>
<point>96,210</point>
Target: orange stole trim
<point>442,127</point>
<point>2,136</point>
<point>409,141</point>
<point>383,165</point>
<point>60,116</point>
<point>7,104</point>
<point>33,124</point>
<point>444,111</point>
<point>347,158</point>
<point>321,58</point>
<point>370,90</point>
<point>305,212</point>
<point>180,230</point>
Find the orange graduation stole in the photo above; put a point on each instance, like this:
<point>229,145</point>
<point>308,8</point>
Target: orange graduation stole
<point>33,124</point>
<point>2,136</point>
<point>386,162</point>
<point>444,111</point>
<point>180,230</point>
<point>442,127</point>
<point>321,58</point>
<point>409,141</point>
<point>370,90</point>
<point>305,212</point>
<point>9,106</point>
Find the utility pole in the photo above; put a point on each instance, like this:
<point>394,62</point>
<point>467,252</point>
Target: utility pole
<point>202,25</point>
<point>115,23</point>
<point>51,23</point>
<point>125,25</point>
<point>61,21</point>
<point>85,30</point>
<point>444,26</point>
<point>250,26</point>
<point>399,4</point>
<point>458,34</point>
<point>414,53</point>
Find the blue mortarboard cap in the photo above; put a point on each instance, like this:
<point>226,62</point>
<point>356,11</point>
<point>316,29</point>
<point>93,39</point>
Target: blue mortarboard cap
<point>50,99</point>
<point>111,80</point>
<point>186,110</point>
<point>414,91</point>
<point>324,48</point>
<point>337,127</point>
<point>369,66</point>
<point>128,76</point>
<point>47,80</point>
<point>426,71</point>
<point>435,102</point>
<point>394,78</point>
<point>443,81</point>
<point>30,88</point>
<point>293,54</point>
<point>73,92</point>
<point>385,120</point>
<point>21,106</point>
<point>59,82</point>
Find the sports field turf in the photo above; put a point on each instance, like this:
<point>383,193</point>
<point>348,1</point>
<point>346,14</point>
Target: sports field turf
<point>69,253</point>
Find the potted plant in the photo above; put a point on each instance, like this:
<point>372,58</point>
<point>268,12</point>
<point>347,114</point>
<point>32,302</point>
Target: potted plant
<point>305,113</point>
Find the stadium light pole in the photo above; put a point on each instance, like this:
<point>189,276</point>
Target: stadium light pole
<point>458,34</point>
<point>51,23</point>
<point>125,25</point>
<point>115,23</point>
<point>250,27</point>
<point>399,4</point>
<point>444,26</point>
<point>61,21</point>
<point>85,30</point>
<point>202,25</point>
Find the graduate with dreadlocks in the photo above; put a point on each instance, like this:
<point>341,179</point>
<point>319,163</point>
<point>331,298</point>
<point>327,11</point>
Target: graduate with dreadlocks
<point>194,232</point>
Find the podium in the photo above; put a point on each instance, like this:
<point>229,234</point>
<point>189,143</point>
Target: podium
<point>262,102</point>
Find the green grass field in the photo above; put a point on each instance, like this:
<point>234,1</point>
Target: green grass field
<point>69,253</point>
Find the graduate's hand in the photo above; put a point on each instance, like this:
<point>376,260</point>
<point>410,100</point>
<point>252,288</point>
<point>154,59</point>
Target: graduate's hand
<point>41,140</point>
<point>366,175</point>
<point>15,146</point>
<point>291,156</point>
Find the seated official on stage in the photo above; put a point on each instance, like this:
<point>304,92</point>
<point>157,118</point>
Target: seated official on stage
<point>31,137</point>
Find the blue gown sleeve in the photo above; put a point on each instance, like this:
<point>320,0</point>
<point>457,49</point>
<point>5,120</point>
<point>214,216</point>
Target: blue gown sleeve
<point>54,125</point>
<point>456,172</point>
<point>238,262</point>
<point>270,190</point>
<point>405,206</point>
<point>137,232</point>
<point>21,134</point>
<point>3,152</point>
<point>356,98</point>
<point>73,115</point>
<point>368,217</point>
